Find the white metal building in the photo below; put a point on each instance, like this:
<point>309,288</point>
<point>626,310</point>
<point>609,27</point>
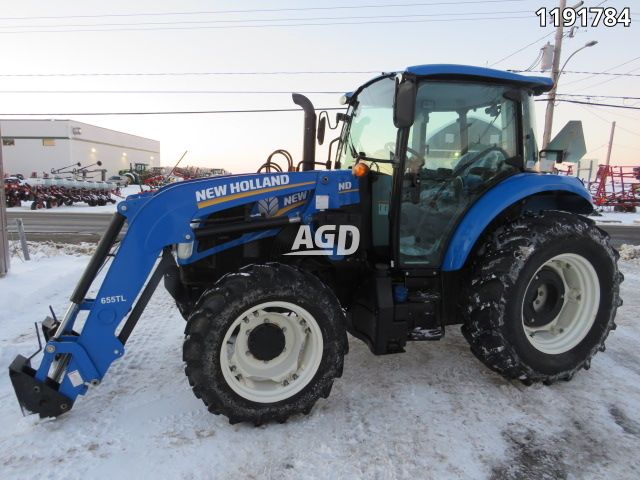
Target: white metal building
<point>38,146</point>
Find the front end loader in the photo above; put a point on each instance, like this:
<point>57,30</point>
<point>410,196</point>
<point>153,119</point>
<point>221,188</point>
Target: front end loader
<point>435,208</point>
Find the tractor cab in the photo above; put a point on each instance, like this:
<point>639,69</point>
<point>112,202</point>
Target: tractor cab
<point>461,131</point>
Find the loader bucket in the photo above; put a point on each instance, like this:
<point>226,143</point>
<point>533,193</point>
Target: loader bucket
<point>33,395</point>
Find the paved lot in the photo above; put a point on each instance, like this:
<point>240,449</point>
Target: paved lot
<point>87,227</point>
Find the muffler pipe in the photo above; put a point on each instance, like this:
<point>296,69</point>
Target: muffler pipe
<point>309,139</point>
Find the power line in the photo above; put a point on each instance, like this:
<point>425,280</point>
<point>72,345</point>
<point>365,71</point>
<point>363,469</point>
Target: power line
<point>527,46</point>
<point>600,73</point>
<point>595,114</point>
<point>625,146</point>
<point>629,131</point>
<point>584,73</point>
<point>263,10</point>
<point>187,112</point>
<point>596,96</point>
<point>596,149</point>
<point>230,27</point>
<point>248,92</point>
<point>595,73</point>
<point>610,79</point>
<point>161,74</point>
<point>608,121</point>
<point>580,102</point>
<point>199,22</point>
<point>521,49</point>
<point>630,117</point>
<point>205,92</point>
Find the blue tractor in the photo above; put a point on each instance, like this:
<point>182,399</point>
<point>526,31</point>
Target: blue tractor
<point>434,208</point>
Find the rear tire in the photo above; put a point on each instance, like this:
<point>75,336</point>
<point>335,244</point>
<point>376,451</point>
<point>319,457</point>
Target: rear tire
<point>264,343</point>
<point>542,298</point>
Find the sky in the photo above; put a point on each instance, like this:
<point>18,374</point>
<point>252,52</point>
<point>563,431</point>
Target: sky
<point>190,36</point>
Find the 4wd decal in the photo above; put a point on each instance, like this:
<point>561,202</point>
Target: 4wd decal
<point>328,240</point>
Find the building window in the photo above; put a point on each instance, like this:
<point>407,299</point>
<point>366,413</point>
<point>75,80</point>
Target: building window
<point>48,142</point>
<point>8,142</point>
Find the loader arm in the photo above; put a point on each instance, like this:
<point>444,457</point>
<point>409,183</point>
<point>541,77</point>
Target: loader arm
<point>173,218</point>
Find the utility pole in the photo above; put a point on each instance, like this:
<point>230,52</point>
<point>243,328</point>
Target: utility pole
<point>613,129</point>
<point>555,76</point>
<point>4,241</point>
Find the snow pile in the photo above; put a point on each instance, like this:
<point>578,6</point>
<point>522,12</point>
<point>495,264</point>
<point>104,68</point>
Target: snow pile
<point>432,412</point>
<point>630,252</point>
<point>40,250</point>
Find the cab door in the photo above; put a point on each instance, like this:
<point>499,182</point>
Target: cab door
<point>463,141</point>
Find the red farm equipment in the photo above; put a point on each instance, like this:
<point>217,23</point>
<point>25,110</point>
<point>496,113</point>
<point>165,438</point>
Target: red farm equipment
<point>55,192</point>
<point>16,191</point>
<point>616,186</point>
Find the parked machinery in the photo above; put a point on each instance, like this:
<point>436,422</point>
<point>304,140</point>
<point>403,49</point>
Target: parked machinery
<point>55,192</point>
<point>16,191</point>
<point>617,186</point>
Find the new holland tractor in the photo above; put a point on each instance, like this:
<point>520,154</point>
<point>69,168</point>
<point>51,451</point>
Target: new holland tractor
<point>433,209</point>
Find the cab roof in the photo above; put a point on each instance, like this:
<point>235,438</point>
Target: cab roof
<point>451,71</point>
<point>537,84</point>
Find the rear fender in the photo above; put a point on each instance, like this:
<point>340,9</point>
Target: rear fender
<point>531,191</point>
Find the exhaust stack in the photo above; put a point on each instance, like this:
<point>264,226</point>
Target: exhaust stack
<point>309,140</point>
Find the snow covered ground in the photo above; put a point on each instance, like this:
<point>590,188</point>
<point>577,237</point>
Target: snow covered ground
<point>433,412</point>
<point>618,218</point>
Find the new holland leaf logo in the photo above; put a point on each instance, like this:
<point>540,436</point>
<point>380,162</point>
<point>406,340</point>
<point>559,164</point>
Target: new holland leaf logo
<point>327,240</point>
<point>268,207</point>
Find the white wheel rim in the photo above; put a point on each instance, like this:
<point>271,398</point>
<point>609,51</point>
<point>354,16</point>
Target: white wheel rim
<point>580,306</point>
<point>283,376</point>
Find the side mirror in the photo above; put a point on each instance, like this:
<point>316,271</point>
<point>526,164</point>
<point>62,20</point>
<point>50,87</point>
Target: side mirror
<point>404,104</point>
<point>322,126</point>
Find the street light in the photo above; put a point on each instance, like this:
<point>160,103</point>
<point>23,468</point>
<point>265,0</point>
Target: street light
<point>586,45</point>
<point>548,119</point>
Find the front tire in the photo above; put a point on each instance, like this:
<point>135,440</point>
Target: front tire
<point>542,298</point>
<point>264,344</point>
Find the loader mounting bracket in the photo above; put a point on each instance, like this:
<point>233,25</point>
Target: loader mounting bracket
<point>35,396</point>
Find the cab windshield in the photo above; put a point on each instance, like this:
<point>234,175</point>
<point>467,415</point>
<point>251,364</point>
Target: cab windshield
<point>371,132</point>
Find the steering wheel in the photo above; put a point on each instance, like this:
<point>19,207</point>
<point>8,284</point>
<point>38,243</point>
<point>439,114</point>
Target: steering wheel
<point>417,156</point>
<point>477,157</point>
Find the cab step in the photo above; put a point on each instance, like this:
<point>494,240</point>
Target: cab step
<point>420,334</point>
